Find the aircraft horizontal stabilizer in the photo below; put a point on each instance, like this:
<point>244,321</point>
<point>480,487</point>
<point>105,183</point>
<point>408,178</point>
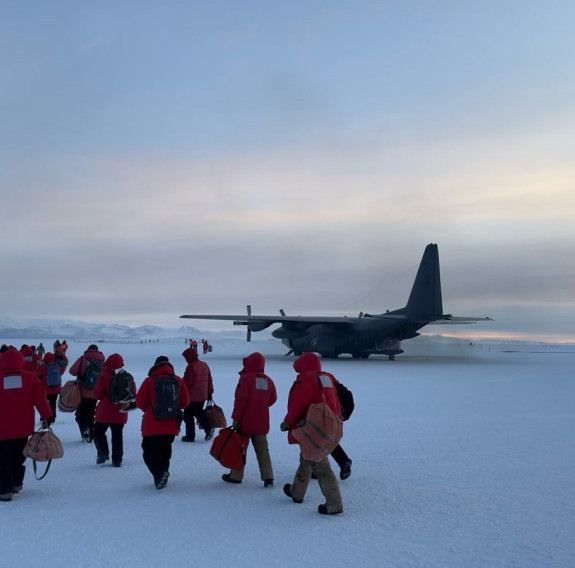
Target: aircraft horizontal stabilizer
<point>449,319</point>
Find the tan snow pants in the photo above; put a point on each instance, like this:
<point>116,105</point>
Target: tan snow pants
<point>326,479</point>
<point>260,443</point>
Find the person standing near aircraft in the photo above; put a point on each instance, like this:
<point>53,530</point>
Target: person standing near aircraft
<point>305,391</point>
<point>254,395</point>
<point>198,380</point>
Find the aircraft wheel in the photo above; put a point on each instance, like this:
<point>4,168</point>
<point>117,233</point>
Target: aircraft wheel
<point>365,355</point>
<point>332,355</point>
<point>356,355</point>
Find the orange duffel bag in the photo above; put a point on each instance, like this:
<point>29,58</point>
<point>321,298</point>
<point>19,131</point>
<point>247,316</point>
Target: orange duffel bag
<point>319,433</point>
<point>229,448</point>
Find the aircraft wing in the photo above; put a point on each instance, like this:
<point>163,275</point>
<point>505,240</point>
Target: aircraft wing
<point>244,319</point>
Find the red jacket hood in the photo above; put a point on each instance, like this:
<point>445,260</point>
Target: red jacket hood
<point>26,351</point>
<point>308,361</point>
<point>190,355</point>
<point>113,362</point>
<point>11,360</point>
<point>253,363</point>
<point>48,357</point>
<point>163,368</point>
<point>92,354</point>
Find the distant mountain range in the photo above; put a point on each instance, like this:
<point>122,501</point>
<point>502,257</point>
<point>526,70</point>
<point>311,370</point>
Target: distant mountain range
<point>70,329</point>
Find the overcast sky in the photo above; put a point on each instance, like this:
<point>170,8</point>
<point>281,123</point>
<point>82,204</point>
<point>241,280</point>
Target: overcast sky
<point>162,158</point>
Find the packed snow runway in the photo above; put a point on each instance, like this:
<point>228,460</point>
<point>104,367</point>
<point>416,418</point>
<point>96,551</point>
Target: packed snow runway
<point>460,459</point>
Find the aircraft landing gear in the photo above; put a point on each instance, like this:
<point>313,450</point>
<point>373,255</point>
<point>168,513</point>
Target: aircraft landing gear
<point>330,355</point>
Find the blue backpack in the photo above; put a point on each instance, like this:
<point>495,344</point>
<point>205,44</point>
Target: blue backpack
<point>53,376</point>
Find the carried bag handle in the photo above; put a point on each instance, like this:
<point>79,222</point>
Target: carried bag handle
<point>35,463</point>
<point>35,468</point>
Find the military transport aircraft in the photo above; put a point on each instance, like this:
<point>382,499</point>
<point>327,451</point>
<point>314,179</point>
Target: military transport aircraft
<point>365,334</point>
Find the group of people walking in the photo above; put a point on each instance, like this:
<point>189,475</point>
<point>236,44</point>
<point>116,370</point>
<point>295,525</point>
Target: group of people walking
<point>166,400</point>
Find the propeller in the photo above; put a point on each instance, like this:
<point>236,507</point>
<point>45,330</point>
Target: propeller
<point>249,333</point>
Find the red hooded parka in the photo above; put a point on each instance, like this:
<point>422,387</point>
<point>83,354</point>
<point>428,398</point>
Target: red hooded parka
<point>254,395</point>
<point>79,368</point>
<point>197,376</point>
<point>42,371</point>
<point>107,412</point>
<point>306,390</point>
<point>145,402</point>
<point>20,392</point>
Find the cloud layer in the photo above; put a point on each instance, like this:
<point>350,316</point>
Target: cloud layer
<point>287,163</point>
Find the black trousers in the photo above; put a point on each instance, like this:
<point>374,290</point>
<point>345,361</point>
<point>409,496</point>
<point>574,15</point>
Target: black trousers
<point>85,414</point>
<point>11,464</point>
<point>101,441</point>
<point>52,401</point>
<point>157,452</point>
<point>340,456</point>
<point>192,411</point>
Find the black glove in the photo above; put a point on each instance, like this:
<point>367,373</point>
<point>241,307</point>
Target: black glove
<point>210,398</point>
<point>45,423</point>
<point>284,426</point>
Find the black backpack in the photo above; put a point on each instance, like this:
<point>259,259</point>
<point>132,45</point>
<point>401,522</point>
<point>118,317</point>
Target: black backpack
<point>122,387</point>
<point>346,403</point>
<point>93,368</point>
<point>166,396</point>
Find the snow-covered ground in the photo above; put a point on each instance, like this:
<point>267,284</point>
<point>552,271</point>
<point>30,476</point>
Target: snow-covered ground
<point>460,459</point>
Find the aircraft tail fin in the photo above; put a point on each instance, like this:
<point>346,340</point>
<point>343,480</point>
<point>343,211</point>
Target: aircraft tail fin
<point>425,297</point>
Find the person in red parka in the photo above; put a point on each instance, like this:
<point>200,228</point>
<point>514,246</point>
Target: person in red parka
<point>108,414</point>
<point>158,434</point>
<point>87,368</point>
<point>50,375</point>
<point>254,395</point>
<point>198,380</point>
<point>20,392</point>
<point>60,355</point>
<point>305,391</point>
<point>30,361</point>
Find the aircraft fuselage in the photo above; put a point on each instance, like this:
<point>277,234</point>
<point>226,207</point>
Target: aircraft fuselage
<point>360,338</point>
